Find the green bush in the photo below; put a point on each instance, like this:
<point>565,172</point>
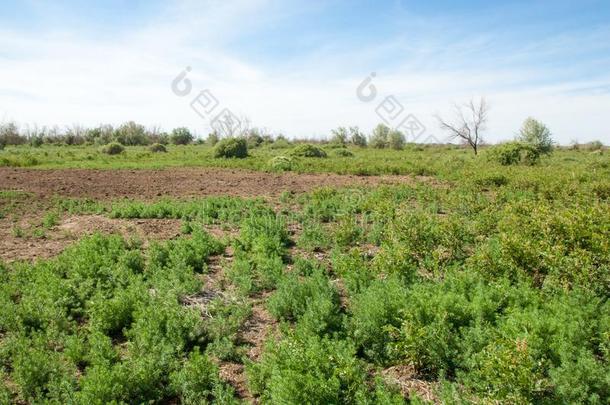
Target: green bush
<point>307,369</point>
<point>312,302</point>
<point>396,140</point>
<point>157,147</point>
<point>212,139</point>
<point>536,135</point>
<point>341,152</point>
<point>514,153</point>
<point>380,137</point>
<point>197,382</point>
<point>131,134</point>
<point>308,150</point>
<point>231,148</point>
<point>281,163</point>
<point>113,148</point>
<point>181,136</point>
<point>373,312</point>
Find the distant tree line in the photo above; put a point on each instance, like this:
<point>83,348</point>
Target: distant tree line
<point>534,137</point>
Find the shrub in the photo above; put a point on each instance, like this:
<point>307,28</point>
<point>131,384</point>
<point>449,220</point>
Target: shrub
<point>373,311</point>
<point>231,148</point>
<point>396,140</point>
<point>113,148</point>
<point>339,136</point>
<point>308,150</point>
<point>380,137</point>
<point>212,139</point>
<point>280,143</point>
<point>254,138</point>
<point>342,153</point>
<point>157,148</point>
<point>357,138</point>
<point>514,153</point>
<point>281,163</point>
<point>131,134</point>
<point>305,369</point>
<point>537,135</point>
<point>312,302</point>
<point>181,136</point>
<point>197,382</point>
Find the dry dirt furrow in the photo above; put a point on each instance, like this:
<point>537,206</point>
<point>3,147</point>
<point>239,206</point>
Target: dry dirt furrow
<point>175,182</point>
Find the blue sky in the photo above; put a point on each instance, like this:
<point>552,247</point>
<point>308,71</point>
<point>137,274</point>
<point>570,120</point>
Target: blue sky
<point>293,66</point>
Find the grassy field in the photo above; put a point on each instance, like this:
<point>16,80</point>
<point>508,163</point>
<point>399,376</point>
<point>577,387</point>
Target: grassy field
<point>488,285</point>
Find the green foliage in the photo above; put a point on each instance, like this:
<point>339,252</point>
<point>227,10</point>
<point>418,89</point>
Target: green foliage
<point>308,369</point>
<point>231,148</point>
<point>181,136</point>
<point>131,134</point>
<point>157,148</point>
<point>514,153</point>
<point>308,150</point>
<point>490,281</point>
<point>212,139</point>
<point>197,382</point>
<point>312,302</point>
<point>339,136</point>
<point>374,311</point>
<point>281,163</point>
<point>380,137</point>
<point>341,152</point>
<point>100,311</point>
<point>396,140</point>
<point>537,135</point>
<point>356,137</point>
<point>113,148</point>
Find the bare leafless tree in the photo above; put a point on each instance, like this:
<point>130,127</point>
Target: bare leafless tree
<point>469,123</point>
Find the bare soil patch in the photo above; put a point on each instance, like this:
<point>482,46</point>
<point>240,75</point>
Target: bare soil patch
<point>175,182</point>
<point>406,379</point>
<point>71,229</point>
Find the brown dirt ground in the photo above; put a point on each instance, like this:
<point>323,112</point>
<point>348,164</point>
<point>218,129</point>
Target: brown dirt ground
<point>73,228</point>
<point>175,182</point>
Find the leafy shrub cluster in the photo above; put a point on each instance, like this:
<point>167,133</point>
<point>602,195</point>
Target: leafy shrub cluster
<point>304,368</point>
<point>514,153</point>
<point>308,150</point>
<point>157,148</point>
<point>113,148</point>
<point>101,323</point>
<point>281,163</point>
<point>260,251</point>
<point>231,148</point>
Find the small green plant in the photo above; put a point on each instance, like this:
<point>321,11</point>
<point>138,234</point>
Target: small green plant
<point>113,148</point>
<point>18,231</point>
<point>50,220</point>
<point>308,150</point>
<point>231,148</point>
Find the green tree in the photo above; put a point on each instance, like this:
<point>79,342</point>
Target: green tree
<point>380,136</point>
<point>537,134</point>
<point>181,136</point>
